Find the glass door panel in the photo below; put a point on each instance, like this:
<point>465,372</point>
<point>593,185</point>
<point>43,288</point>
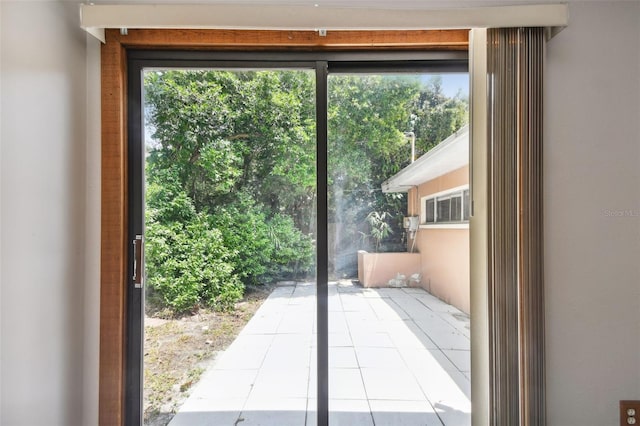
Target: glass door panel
<point>398,354</point>
<point>229,217</point>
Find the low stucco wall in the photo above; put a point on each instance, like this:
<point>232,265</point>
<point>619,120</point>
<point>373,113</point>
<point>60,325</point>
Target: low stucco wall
<point>376,269</point>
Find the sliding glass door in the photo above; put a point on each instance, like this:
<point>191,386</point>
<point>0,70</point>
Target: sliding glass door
<point>254,180</point>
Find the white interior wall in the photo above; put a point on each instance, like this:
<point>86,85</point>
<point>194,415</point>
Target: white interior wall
<point>92,229</point>
<point>43,172</point>
<point>0,214</point>
<point>49,215</point>
<point>592,170</point>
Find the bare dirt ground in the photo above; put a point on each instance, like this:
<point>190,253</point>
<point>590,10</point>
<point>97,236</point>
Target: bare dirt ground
<point>177,352</point>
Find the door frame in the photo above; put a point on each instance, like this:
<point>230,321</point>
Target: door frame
<point>114,269</point>
<point>322,64</point>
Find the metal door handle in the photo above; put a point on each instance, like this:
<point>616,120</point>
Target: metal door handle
<point>138,267</point>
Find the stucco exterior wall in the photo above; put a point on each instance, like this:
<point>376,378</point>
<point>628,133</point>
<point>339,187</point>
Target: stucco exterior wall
<point>444,252</point>
<point>447,181</point>
<point>444,260</point>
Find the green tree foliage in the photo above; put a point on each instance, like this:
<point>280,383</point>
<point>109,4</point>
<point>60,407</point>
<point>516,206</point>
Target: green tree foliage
<point>368,118</point>
<point>292,251</point>
<point>380,229</point>
<point>368,115</point>
<point>266,248</point>
<point>229,133</point>
<point>193,123</point>
<point>437,116</point>
<point>231,172</point>
<point>232,180</point>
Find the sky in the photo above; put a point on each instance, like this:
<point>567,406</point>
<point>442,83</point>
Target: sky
<point>451,83</point>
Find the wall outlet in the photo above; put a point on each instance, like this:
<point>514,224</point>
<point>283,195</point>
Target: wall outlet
<point>629,413</point>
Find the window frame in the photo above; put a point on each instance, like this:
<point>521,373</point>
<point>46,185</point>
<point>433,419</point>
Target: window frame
<point>458,224</point>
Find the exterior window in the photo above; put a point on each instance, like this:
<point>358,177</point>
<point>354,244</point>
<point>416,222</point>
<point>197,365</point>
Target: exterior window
<point>444,209</point>
<point>456,207</point>
<point>465,205</point>
<point>430,210</point>
<point>450,207</point>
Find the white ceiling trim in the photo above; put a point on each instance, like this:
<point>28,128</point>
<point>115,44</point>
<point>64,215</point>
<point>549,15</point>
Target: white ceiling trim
<point>96,18</point>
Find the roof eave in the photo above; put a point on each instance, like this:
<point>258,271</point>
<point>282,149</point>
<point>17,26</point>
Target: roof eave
<point>389,188</point>
<point>405,179</point>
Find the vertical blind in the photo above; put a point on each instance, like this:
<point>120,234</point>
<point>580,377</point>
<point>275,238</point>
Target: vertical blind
<point>515,62</point>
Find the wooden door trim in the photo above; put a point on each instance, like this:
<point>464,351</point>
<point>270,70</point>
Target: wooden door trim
<point>113,265</point>
<point>113,232</point>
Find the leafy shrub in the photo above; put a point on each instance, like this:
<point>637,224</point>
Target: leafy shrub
<point>243,227</point>
<point>167,201</point>
<point>188,265</point>
<point>293,252</point>
<point>266,250</point>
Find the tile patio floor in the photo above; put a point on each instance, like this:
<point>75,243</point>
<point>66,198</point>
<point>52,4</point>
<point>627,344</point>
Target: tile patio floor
<point>396,357</point>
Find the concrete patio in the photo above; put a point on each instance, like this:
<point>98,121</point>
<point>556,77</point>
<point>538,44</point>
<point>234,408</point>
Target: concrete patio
<point>396,357</point>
